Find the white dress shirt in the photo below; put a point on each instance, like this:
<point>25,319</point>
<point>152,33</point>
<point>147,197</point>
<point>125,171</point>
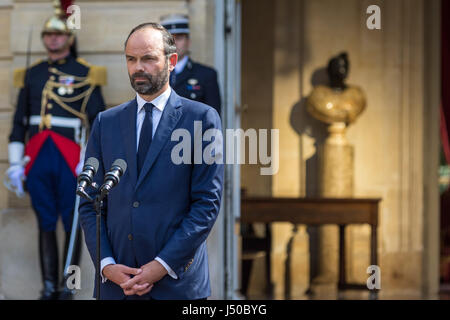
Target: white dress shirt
<point>159,103</point>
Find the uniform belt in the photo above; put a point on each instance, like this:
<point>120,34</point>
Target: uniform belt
<point>63,122</point>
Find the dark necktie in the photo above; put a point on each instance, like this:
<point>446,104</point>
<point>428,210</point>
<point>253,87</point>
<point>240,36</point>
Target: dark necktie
<point>145,138</point>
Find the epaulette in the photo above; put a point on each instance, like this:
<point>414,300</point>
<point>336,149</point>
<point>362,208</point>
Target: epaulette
<point>19,75</point>
<point>83,62</point>
<point>96,74</point>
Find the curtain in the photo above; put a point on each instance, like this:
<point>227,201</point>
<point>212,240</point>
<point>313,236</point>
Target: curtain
<point>445,84</point>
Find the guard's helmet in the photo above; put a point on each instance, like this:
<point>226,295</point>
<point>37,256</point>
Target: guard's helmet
<point>57,22</point>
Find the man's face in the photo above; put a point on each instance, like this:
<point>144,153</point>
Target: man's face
<point>55,41</point>
<point>182,42</point>
<point>148,66</point>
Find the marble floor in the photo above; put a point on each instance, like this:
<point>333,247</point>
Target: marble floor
<point>444,294</point>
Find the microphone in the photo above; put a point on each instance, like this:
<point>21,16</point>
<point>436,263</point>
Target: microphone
<point>85,177</point>
<point>112,177</point>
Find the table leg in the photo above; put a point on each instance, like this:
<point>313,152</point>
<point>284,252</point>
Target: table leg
<point>342,278</point>
<point>373,294</point>
<point>373,246</point>
<point>269,261</point>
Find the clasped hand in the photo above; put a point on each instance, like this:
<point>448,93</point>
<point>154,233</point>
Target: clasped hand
<point>135,280</point>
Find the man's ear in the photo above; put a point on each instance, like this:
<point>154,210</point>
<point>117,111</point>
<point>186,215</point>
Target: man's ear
<point>173,59</point>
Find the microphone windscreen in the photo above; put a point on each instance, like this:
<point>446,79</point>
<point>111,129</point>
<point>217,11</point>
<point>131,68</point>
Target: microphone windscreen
<point>92,162</point>
<point>121,164</point>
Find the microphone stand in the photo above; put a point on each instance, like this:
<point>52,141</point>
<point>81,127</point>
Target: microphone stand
<point>114,177</point>
<point>98,205</point>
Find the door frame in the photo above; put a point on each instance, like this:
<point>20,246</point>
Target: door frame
<point>227,60</point>
<point>432,100</point>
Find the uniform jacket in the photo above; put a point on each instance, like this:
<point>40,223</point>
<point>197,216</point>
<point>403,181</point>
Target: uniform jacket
<point>198,82</point>
<point>57,100</point>
<point>40,95</point>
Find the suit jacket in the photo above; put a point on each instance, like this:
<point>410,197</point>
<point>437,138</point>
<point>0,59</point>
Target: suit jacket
<point>198,82</point>
<point>166,211</point>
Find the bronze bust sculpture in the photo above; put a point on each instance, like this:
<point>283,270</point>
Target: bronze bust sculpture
<point>337,102</point>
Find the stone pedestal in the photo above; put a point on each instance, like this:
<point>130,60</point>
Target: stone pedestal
<point>336,181</point>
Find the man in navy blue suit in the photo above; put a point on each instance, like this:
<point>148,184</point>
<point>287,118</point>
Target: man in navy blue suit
<point>153,240</point>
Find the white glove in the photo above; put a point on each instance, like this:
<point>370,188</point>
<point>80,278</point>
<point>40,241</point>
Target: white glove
<point>16,177</point>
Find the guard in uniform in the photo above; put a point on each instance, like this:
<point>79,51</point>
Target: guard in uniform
<point>190,79</point>
<point>58,100</point>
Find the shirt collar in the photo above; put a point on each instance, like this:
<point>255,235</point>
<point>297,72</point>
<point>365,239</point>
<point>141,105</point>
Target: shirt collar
<point>159,102</point>
<point>181,64</point>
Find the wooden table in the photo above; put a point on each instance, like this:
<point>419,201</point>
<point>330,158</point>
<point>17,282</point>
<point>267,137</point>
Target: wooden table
<point>318,211</point>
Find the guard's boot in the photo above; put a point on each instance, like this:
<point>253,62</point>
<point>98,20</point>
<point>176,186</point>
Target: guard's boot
<point>67,293</point>
<point>48,254</point>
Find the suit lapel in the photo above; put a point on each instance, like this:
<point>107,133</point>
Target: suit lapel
<point>169,119</point>
<point>128,129</point>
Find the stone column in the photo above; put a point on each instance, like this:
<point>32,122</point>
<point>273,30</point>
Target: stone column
<point>336,181</point>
